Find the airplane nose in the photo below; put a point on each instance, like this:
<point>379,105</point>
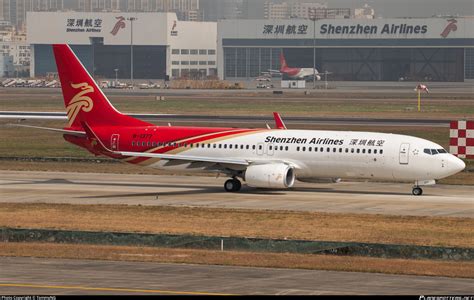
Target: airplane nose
<point>456,164</point>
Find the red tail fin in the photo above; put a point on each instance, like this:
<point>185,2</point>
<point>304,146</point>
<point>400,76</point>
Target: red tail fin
<point>83,99</point>
<point>283,64</point>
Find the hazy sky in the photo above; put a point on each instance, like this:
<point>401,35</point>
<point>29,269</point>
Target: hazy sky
<point>404,8</point>
<point>411,8</point>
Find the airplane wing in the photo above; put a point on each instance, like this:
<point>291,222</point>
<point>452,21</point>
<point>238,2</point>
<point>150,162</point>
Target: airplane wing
<point>62,131</point>
<point>240,162</point>
<point>274,71</point>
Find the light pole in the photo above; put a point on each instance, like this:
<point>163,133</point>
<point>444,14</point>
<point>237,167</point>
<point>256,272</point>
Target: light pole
<point>312,16</point>
<point>116,76</point>
<point>131,19</point>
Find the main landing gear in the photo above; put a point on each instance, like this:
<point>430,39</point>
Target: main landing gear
<point>417,191</point>
<point>232,185</point>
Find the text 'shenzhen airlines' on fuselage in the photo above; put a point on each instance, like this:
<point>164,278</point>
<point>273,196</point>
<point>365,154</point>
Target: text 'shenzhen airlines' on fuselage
<point>263,158</point>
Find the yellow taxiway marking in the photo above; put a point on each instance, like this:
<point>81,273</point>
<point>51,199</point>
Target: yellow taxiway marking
<point>85,288</point>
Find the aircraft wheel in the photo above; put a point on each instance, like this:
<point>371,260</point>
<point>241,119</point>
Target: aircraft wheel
<point>417,191</point>
<point>232,185</point>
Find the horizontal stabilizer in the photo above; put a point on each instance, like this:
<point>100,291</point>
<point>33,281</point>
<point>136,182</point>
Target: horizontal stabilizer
<point>62,131</point>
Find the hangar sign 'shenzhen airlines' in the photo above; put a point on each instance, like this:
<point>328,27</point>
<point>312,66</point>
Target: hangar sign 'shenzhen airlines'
<point>263,158</point>
<point>357,29</point>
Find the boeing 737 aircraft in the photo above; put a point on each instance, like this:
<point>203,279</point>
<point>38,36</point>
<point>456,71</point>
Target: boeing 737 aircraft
<point>263,158</point>
<point>295,73</point>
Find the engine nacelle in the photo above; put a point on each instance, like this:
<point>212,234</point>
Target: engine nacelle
<point>273,176</point>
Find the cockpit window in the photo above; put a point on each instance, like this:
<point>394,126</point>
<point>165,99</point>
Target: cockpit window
<point>434,151</point>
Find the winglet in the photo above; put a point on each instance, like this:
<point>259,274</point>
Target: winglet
<point>278,121</point>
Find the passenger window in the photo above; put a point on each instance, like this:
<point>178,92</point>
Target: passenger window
<point>242,147</point>
<point>358,151</point>
<point>270,147</point>
<point>230,146</point>
<point>370,151</point>
<point>329,149</point>
<point>340,150</point>
<point>363,151</point>
<point>352,150</point>
<point>381,151</point>
<point>334,150</point>
<point>310,149</point>
<point>225,146</point>
<point>143,143</point>
<point>253,147</point>
<point>286,148</point>
<point>247,147</point>
<point>297,148</point>
<point>260,147</point>
<point>347,150</point>
<point>133,143</point>
<point>321,149</point>
<point>375,151</point>
<point>304,149</point>
<point>220,146</point>
<point>208,145</point>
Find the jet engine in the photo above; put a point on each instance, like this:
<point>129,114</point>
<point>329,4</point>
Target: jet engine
<point>273,176</point>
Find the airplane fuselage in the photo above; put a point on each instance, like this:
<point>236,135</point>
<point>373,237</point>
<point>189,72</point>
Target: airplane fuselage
<point>301,73</point>
<point>313,154</point>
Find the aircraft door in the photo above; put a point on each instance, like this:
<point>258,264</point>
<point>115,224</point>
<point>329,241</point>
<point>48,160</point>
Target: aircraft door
<point>404,154</point>
<point>114,142</point>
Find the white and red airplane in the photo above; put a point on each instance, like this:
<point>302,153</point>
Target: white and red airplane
<point>294,73</point>
<point>263,158</point>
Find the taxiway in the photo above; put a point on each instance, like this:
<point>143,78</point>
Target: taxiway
<point>199,191</point>
<point>62,276</point>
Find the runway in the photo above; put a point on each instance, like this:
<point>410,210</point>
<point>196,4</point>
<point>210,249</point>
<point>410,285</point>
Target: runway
<point>196,191</point>
<point>61,276</point>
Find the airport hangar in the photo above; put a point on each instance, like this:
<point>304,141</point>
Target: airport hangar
<point>162,45</point>
<point>429,49</point>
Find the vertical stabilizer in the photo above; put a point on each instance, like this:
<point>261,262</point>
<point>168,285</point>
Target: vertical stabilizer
<point>84,100</point>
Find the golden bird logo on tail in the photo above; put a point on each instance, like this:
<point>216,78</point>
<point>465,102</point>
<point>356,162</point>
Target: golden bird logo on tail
<point>79,101</point>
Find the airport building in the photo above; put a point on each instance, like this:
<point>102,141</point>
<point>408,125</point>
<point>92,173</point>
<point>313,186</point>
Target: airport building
<point>429,49</point>
<point>163,46</point>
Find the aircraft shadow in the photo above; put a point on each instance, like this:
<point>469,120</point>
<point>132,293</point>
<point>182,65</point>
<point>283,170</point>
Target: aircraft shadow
<point>336,191</point>
<point>199,189</point>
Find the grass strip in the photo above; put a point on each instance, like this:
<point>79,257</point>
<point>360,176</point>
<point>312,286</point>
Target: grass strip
<point>337,227</point>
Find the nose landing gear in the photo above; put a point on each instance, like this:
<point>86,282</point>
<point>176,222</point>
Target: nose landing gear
<point>232,185</point>
<point>417,191</point>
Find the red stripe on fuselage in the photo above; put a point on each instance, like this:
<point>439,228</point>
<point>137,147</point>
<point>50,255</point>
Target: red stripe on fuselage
<point>192,136</point>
